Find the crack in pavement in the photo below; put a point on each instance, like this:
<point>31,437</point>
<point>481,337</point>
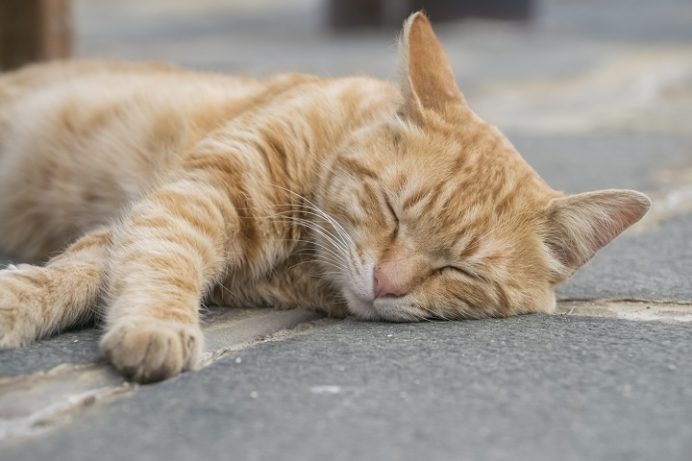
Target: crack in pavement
<point>627,309</point>
<point>33,403</point>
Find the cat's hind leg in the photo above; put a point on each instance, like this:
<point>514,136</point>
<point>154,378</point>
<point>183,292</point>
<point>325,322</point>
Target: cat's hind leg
<point>38,301</point>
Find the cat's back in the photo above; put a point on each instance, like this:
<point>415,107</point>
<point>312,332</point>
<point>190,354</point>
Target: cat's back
<point>65,95</point>
<point>86,137</point>
<point>61,75</point>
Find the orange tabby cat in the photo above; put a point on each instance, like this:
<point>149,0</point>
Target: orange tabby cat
<point>349,195</point>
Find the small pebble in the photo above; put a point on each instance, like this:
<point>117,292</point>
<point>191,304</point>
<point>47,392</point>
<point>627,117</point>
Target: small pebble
<point>325,389</point>
<point>238,360</point>
<point>254,394</point>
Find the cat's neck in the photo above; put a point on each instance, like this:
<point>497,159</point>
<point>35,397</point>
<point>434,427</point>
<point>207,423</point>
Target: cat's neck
<point>295,128</point>
<point>315,119</point>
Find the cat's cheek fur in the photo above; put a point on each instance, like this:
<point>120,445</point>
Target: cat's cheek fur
<point>356,263</point>
<point>540,301</point>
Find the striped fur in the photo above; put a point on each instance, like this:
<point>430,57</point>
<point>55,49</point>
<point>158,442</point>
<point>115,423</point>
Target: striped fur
<point>180,188</point>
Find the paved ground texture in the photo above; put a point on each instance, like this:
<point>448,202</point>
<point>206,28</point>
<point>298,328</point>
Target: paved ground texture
<point>595,95</point>
<point>536,388</point>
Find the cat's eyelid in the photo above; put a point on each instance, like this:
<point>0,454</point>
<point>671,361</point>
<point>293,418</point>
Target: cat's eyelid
<point>390,207</point>
<point>463,271</point>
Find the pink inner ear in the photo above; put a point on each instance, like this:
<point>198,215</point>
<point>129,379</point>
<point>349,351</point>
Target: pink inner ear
<point>580,225</point>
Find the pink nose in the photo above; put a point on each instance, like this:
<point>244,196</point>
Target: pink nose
<point>386,282</point>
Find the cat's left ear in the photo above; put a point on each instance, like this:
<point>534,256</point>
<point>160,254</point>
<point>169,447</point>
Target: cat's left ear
<point>428,82</point>
<point>577,226</point>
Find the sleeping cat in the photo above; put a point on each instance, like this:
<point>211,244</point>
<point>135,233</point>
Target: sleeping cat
<point>166,188</point>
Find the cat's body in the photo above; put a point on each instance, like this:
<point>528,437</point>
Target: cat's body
<point>348,195</point>
<point>124,129</point>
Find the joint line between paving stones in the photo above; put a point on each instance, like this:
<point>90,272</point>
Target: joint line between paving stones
<point>64,410</point>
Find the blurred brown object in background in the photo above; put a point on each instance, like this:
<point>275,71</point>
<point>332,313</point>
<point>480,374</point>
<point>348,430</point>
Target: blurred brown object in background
<point>355,13</point>
<point>34,30</point>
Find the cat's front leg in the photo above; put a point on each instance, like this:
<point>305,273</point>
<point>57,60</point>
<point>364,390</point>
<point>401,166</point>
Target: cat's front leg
<point>168,252</point>
<point>23,290</point>
<point>37,301</point>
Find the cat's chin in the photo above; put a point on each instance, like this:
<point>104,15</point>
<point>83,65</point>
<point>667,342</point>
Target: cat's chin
<point>397,310</point>
<point>381,309</point>
<point>363,309</point>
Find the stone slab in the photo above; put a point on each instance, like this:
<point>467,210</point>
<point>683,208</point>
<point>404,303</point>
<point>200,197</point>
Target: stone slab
<point>78,346</point>
<point>528,388</point>
<point>50,382</point>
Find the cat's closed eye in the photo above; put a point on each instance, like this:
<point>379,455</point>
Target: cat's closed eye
<point>393,214</point>
<point>459,270</point>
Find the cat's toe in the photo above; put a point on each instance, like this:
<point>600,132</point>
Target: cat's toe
<point>147,350</point>
<point>15,328</point>
<point>10,337</point>
<point>22,301</point>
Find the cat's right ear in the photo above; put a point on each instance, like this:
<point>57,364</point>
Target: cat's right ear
<point>577,226</point>
<point>427,80</point>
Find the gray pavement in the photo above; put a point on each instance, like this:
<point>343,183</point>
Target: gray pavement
<point>653,261</point>
<point>536,388</point>
<point>580,162</point>
<point>80,346</point>
<point>654,265</point>
<point>594,95</point>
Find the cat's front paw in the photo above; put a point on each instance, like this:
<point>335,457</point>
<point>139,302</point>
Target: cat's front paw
<point>148,350</point>
<point>21,292</point>
<point>12,335</point>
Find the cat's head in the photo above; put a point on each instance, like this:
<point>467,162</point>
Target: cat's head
<point>438,216</point>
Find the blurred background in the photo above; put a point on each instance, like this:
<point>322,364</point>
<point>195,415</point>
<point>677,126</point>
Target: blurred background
<point>527,64</point>
<point>533,65</point>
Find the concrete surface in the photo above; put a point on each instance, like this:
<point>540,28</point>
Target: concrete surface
<point>224,329</point>
<point>71,347</point>
<point>595,95</point>
<point>656,265</point>
<point>46,384</point>
<point>537,388</point>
